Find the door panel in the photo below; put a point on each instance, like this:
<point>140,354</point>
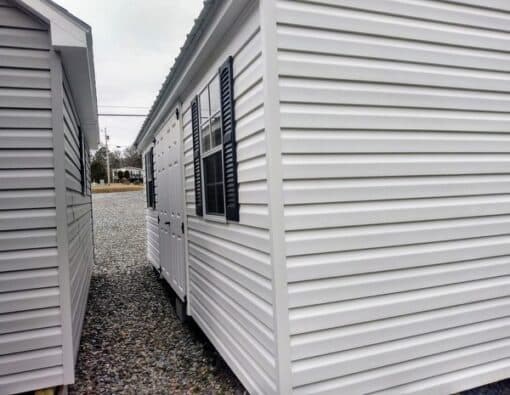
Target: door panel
<point>170,206</point>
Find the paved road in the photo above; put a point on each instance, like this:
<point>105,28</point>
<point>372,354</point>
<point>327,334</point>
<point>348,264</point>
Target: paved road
<point>132,341</point>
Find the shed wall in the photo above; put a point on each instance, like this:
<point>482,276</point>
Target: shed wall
<point>395,120</point>
<point>30,317</point>
<point>79,216</point>
<point>230,291</point>
<point>151,219</point>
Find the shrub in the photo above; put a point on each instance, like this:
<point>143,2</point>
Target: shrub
<point>125,181</point>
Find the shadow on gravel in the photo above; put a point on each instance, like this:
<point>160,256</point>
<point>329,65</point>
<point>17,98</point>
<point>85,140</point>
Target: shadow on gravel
<point>132,341</point>
<point>499,388</point>
<point>210,352</point>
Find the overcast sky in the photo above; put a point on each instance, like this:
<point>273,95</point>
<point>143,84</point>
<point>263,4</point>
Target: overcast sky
<point>135,44</point>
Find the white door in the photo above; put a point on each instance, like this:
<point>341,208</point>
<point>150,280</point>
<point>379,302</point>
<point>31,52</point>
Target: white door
<point>170,206</point>
<point>161,170</point>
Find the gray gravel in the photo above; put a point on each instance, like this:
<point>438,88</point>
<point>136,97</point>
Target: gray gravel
<point>498,388</point>
<point>132,341</point>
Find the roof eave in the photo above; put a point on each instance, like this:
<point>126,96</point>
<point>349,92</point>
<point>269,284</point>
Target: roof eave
<point>224,14</point>
<point>72,38</point>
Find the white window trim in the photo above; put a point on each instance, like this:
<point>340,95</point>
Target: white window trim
<point>221,218</point>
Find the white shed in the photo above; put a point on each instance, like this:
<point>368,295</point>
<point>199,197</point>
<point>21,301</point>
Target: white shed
<point>48,122</point>
<point>332,182</point>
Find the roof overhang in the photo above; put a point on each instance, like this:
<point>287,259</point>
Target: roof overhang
<point>72,38</point>
<point>209,30</point>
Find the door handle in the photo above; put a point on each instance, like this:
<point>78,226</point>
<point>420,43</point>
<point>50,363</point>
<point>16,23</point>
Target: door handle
<point>167,223</point>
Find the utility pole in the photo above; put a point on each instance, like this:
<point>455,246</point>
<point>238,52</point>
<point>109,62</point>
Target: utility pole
<point>106,138</point>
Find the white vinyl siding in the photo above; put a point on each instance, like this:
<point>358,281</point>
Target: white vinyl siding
<point>230,294</point>
<point>151,220</point>
<point>79,217</point>
<point>396,161</point>
<point>30,318</point>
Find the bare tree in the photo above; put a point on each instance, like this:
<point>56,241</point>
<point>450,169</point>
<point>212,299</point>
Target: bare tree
<point>131,157</point>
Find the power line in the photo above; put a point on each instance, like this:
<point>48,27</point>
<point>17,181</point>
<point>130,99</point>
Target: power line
<point>139,107</point>
<point>120,115</point>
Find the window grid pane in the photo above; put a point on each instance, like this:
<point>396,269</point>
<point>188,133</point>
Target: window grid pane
<point>214,94</point>
<point>213,180</point>
<point>206,137</point>
<point>205,113</point>
<point>216,130</point>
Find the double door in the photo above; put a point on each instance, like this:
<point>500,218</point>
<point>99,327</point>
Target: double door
<point>170,205</point>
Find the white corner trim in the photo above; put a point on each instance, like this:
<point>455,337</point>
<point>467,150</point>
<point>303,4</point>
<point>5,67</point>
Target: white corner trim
<point>57,114</point>
<point>275,189</point>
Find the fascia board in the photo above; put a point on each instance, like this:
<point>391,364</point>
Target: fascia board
<point>65,32</point>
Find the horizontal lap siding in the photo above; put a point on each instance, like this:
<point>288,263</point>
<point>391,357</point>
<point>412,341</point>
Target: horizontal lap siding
<point>151,221</point>
<point>79,219</point>
<point>229,264</point>
<point>395,159</point>
<point>30,316</point>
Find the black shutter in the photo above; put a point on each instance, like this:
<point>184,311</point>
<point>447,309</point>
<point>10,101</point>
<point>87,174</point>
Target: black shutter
<point>147,180</point>
<point>229,140</point>
<point>153,185</point>
<point>197,168</point>
<point>83,183</point>
<point>150,165</point>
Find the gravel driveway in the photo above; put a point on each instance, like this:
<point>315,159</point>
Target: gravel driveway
<point>132,341</point>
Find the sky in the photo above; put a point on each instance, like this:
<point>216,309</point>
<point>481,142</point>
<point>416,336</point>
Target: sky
<point>135,45</point>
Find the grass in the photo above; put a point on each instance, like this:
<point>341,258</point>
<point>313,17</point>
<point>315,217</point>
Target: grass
<point>115,188</point>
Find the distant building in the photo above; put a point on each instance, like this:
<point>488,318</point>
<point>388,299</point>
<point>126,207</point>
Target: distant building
<point>134,173</point>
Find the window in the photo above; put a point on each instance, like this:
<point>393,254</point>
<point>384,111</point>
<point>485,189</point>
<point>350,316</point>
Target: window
<point>214,154</point>
<point>149,179</point>
<point>212,158</point>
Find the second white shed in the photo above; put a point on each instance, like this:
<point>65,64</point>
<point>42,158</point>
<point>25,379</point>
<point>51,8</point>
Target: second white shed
<point>329,192</point>
<point>48,122</point>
